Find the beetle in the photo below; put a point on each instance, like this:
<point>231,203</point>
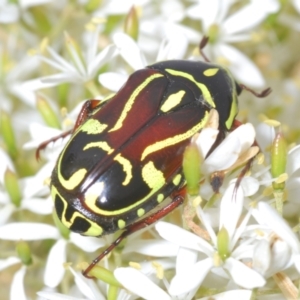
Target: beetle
<point>124,157</point>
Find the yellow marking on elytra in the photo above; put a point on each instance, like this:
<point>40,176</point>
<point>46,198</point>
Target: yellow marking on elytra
<point>131,100</point>
<point>140,212</point>
<point>157,180</point>
<point>154,178</point>
<point>127,168</point>
<point>172,101</point>
<point>176,179</point>
<point>210,72</point>
<point>75,179</point>
<point>94,229</point>
<point>160,198</point>
<point>234,104</point>
<point>205,92</point>
<point>232,115</point>
<point>93,126</point>
<point>102,145</point>
<point>121,224</point>
<point>175,139</point>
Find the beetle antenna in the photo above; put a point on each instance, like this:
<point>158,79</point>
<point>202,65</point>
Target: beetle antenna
<point>262,94</point>
<point>202,45</point>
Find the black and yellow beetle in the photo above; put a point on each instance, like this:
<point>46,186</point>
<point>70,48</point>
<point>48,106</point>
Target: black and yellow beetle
<point>125,155</point>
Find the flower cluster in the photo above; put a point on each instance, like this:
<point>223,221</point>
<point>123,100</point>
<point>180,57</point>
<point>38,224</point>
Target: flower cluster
<point>237,234</point>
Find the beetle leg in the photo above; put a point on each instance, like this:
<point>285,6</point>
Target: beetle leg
<point>202,45</point>
<point>43,145</point>
<point>262,94</point>
<point>85,112</point>
<point>177,199</point>
<point>249,163</point>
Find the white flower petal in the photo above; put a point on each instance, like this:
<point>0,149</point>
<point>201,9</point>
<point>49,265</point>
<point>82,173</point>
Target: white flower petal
<point>186,258</point>
<point>87,244</point>
<point>9,13</point>
<point>297,262</point>
<point>86,287</point>
<point>250,186</point>
<point>293,160</point>
<point>271,218</point>
<point>156,248</point>
<point>149,269</point>
<point>246,135</point>
<point>28,231</point>
<point>38,205</point>
<point>186,281</point>
<point>241,66</point>
<point>5,263</point>
<point>296,5</point>
<point>5,213</point>
<point>35,185</point>
<point>238,233</point>
<point>129,50</point>
<point>206,11</point>
<point>139,284</point>
<point>243,275</point>
<point>17,291</point>
<point>176,45</point>
<point>249,16</point>
<point>58,62</point>
<point>54,270</point>
<point>206,139</point>
<point>101,58</point>
<point>265,135</point>
<point>112,81</point>
<point>231,208</point>
<point>56,296</point>
<point>183,238</point>
<point>208,219</point>
<point>262,257</point>
<point>293,188</point>
<point>230,295</point>
<point>224,156</point>
<point>38,133</point>
<point>281,257</point>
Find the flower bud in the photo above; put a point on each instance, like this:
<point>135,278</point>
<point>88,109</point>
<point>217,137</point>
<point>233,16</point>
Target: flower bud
<point>223,243</point>
<point>131,24</point>
<point>8,134</point>
<point>191,168</point>
<point>12,187</point>
<point>278,160</point>
<point>49,116</point>
<point>24,252</point>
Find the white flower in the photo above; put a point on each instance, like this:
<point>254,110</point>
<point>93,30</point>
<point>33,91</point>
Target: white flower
<point>32,190</point>
<point>83,67</point>
<point>224,29</point>
<point>196,257</point>
<point>86,288</point>
<point>279,249</point>
<point>130,51</point>
<point>54,270</point>
<point>10,12</point>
